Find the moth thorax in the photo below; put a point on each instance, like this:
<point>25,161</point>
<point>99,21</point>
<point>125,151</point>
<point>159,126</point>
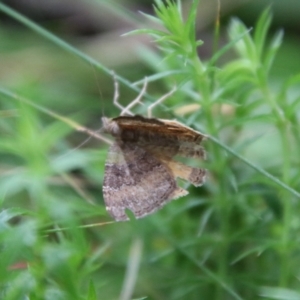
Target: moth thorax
<point>110,126</point>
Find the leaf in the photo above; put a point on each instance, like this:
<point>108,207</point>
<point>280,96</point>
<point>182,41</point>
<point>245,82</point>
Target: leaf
<point>92,295</point>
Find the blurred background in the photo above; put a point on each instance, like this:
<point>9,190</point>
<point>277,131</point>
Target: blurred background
<point>96,28</point>
<point>39,70</point>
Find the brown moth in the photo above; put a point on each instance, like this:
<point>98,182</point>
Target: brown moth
<point>140,170</point>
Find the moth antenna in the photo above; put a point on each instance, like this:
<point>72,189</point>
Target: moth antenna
<point>99,88</point>
<point>160,100</point>
<point>136,101</point>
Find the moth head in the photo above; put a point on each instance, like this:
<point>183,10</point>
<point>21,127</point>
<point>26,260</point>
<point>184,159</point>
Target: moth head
<point>110,126</point>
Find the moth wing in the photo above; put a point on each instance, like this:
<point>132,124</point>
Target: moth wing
<point>137,180</point>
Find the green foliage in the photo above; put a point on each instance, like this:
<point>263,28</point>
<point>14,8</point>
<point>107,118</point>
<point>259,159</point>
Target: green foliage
<point>235,238</point>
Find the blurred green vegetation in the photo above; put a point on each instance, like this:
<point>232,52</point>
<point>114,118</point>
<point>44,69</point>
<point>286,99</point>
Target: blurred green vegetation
<point>234,238</point>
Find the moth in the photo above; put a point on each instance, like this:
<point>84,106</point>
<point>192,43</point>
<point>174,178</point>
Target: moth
<point>140,170</point>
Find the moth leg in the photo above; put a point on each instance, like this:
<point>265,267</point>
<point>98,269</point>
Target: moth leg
<point>116,93</point>
<point>160,100</point>
<point>126,110</point>
<point>137,100</point>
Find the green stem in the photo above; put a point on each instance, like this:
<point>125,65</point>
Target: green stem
<point>221,199</point>
<point>282,125</point>
<point>288,212</point>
